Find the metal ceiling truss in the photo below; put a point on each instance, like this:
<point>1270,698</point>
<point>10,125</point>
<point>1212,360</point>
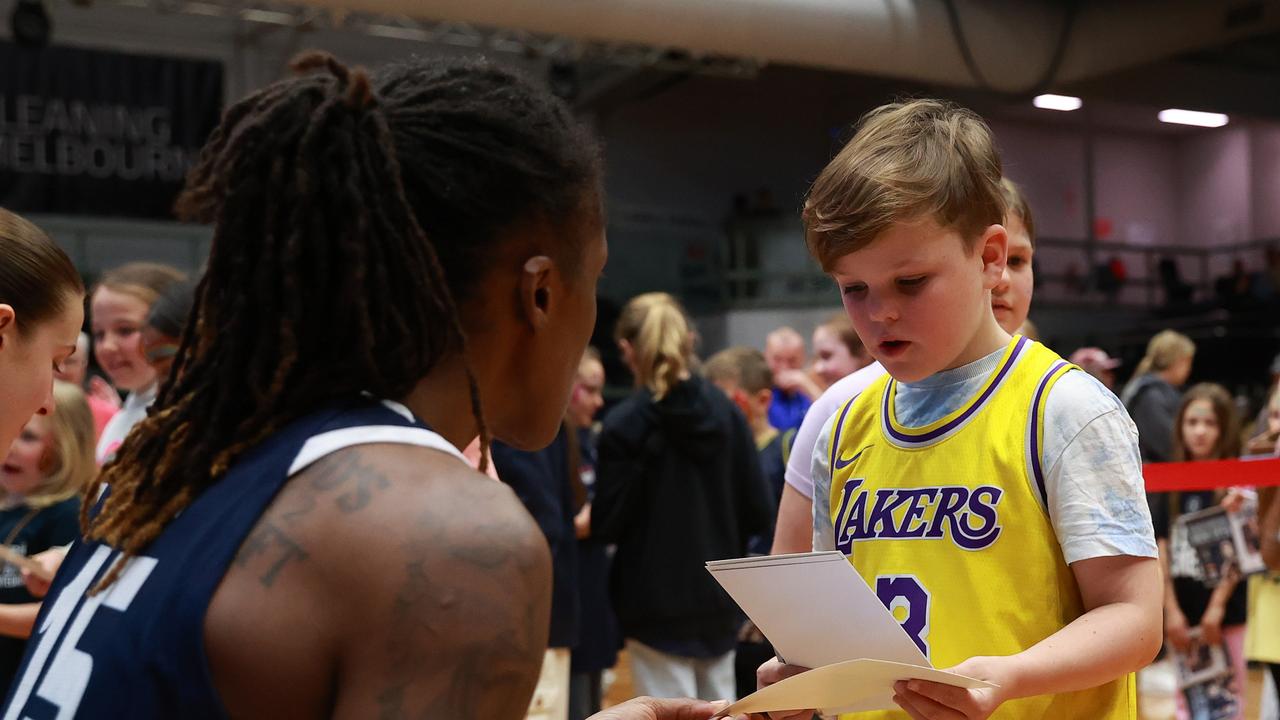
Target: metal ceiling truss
<point>556,48</point>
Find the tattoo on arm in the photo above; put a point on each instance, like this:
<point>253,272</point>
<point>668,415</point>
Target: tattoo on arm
<point>275,545</point>
<point>473,594</point>
<point>347,471</point>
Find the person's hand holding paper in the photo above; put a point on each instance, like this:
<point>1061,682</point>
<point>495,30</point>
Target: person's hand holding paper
<point>845,632</point>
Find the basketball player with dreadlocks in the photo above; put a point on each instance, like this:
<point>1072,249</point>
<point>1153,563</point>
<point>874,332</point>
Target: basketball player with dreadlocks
<point>399,263</point>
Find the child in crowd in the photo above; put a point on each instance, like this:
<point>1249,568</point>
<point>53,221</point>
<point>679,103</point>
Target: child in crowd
<point>984,487</point>
<point>118,311</point>
<point>1206,427</point>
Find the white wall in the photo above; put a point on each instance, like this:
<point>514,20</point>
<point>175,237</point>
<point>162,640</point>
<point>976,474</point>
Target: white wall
<point>1214,195</point>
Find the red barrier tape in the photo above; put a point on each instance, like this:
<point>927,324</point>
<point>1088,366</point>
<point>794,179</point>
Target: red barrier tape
<point>1211,474</point>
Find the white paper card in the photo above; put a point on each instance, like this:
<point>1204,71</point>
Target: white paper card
<point>816,609</point>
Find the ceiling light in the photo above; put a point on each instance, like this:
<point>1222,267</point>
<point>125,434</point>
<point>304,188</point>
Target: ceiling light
<point>1193,117</point>
<point>1065,103</point>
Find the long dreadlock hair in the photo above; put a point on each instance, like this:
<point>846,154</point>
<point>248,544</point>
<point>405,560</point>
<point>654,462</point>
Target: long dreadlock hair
<point>351,217</point>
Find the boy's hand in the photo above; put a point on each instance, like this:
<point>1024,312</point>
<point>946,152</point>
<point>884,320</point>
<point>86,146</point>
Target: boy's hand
<point>1211,624</point>
<point>924,700</point>
<point>772,672</point>
<point>1176,630</point>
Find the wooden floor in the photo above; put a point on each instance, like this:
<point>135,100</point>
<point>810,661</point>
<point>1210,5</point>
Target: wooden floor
<point>623,688</point>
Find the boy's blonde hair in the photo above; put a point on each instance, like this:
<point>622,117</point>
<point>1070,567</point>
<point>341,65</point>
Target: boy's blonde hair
<point>71,445</point>
<point>661,340</point>
<point>741,365</point>
<point>1016,204</point>
<point>908,160</point>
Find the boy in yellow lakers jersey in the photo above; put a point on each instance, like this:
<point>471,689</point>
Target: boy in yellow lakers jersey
<point>989,494</point>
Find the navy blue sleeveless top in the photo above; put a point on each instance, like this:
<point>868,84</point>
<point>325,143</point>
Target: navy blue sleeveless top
<point>136,650</point>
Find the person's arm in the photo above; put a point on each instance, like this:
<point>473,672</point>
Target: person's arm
<point>823,536</point>
<point>1119,633</point>
<point>384,581</point>
<point>798,381</point>
<point>1098,509</point>
<point>1269,526</point>
<point>17,620</point>
<point>1216,610</point>
<point>1176,627</point>
<point>794,530</point>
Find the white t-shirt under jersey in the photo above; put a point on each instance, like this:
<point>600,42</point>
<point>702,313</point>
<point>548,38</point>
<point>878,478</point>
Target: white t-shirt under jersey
<point>1096,496</point>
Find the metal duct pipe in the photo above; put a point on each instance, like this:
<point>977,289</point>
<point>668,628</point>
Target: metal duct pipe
<point>1012,41</point>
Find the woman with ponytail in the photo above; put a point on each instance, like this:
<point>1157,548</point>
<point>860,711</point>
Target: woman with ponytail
<point>1152,396</point>
<point>678,483</point>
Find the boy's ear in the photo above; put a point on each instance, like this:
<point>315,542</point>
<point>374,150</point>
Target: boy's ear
<point>762,398</point>
<point>993,247</point>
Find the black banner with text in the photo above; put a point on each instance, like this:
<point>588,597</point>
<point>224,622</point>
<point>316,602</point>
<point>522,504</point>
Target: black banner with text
<point>90,132</point>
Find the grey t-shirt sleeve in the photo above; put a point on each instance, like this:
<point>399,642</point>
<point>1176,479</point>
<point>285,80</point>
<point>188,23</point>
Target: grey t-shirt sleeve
<point>824,534</point>
<point>1093,473</point>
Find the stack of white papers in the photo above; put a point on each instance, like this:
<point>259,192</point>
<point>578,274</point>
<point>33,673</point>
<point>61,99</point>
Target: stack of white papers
<point>818,612</point>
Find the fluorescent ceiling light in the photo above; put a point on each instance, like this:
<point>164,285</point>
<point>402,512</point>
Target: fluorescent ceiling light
<point>1057,102</point>
<point>1193,117</point>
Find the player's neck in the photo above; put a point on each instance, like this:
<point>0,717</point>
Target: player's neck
<point>442,400</point>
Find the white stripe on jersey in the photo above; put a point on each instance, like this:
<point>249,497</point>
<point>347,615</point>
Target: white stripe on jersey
<point>328,443</point>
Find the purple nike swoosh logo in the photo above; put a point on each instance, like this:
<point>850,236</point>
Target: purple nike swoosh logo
<point>841,463</point>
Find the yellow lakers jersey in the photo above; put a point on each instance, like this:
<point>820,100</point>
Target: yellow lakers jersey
<point>948,524</point>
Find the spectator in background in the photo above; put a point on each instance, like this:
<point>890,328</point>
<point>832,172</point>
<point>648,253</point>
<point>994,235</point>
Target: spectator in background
<point>118,311</point>
<point>1097,363</point>
<point>1205,428</point>
<point>677,484</point>
<point>1260,422</point>
<point>104,401</point>
<point>550,487</point>
<point>793,390</point>
<point>1266,430</point>
<point>598,639</point>
<point>837,350</point>
<point>742,374</point>
<point>163,332</point>
<point>1152,396</point>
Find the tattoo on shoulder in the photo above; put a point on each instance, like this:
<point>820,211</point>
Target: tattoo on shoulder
<point>274,545</point>
<point>468,596</point>
<point>271,545</point>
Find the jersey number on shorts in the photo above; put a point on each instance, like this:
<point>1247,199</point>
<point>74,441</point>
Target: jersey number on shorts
<point>906,593</point>
<point>64,684</point>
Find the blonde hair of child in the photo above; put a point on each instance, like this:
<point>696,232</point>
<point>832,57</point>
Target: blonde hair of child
<point>907,160</point>
<point>71,448</point>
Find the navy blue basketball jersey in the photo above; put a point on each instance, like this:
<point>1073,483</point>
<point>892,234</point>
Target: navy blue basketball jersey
<point>136,650</point>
